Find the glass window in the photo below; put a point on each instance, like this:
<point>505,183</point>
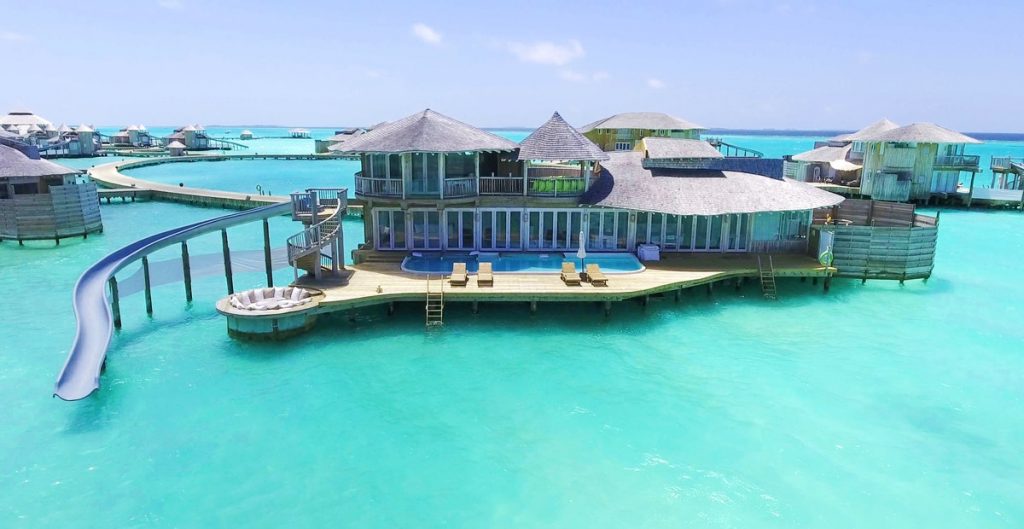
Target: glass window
<point>622,223</point>
<point>715,236</point>
<point>459,165</point>
<point>701,240</point>
<point>534,230</point>
<point>384,232</point>
<point>501,228</point>
<point>467,229</point>
<point>595,230</point>
<point>516,229</point>
<point>398,222</point>
<point>671,231</point>
<point>377,166</point>
<point>641,228</point>
<point>395,160</point>
<point>487,229</point>
<point>686,233</point>
<point>656,228</point>
<point>431,159</point>
<point>452,227</point>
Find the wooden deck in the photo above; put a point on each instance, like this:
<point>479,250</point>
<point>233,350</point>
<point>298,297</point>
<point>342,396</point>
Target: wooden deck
<point>378,283</point>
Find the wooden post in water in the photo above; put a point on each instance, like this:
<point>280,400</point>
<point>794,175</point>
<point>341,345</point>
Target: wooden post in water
<point>115,302</point>
<point>970,192</point>
<point>186,271</point>
<point>266,253</point>
<point>227,262</point>
<point>533,307</point>
<point>607,308</point>
<point>146,285</point>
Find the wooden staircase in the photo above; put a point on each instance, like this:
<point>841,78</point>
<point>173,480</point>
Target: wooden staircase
<point>766,269</point>
<point>435,302</point>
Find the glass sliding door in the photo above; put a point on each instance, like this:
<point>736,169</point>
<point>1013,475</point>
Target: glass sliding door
<point>426,229</point>
<point>708,232</point>
<point>608,230</point>
<point>459,229</point>
<point>424,179</point>
<point>390,231</point>
<point>500,229</point>
<point>737,233</point>
<point>552,229</point>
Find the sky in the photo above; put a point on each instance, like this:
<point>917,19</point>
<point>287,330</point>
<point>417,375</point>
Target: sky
<point>757,64</point>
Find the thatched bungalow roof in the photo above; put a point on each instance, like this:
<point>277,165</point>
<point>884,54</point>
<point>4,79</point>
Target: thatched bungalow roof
<point>922,133</point>
<point>21,117</point>
<point>189,128</point>
<point>347,135</point>
<point>556,140</point>
<point>874,129</point>
<point>823,154</point>
<point>625,183</point>
<point>678,148</point>
<point>84,128</point>
<point>26,162</point>
<point>426,131</point>
<point>175,145</point>
<point>642,120</point>
<point>177,136</point>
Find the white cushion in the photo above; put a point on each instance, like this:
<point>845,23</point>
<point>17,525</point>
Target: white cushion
<point>257,295</point>
<point>279,292</point>
<point>296,294</point>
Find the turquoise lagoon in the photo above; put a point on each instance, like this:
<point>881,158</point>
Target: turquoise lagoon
<point>876,405</point>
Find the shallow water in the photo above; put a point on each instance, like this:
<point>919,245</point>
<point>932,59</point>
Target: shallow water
<point>875,405</point>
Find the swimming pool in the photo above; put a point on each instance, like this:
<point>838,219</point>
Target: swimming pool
<point>521,263</point>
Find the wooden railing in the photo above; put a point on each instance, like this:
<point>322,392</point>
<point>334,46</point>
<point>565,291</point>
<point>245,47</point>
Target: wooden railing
<point>1005,163</point>
<point>459,187</point>
<point>501,185</point>
<point>958,161</point>
<point>378,187</point>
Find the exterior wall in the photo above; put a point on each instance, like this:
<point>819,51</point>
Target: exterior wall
<point>65,211</point>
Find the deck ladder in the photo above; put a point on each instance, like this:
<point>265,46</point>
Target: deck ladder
<point>766,269</point>
<point>435,302</point>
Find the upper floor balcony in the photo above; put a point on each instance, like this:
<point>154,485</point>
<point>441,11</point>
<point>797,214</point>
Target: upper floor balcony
<point>542,181</point>
<point>961,162</point>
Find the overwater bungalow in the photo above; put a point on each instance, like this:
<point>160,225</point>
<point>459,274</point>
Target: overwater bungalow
<point>40,199</point>
<point>299,133</point>
<point>328,144</point>
<point>884,161</point>
<point>176,148</point>
<point>433,183</point>
<point>193,137</point>
<point>132,135</point>
<point>245,135</point>
<point>621,132</point>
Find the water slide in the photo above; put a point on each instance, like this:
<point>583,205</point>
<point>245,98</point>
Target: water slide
<point>80,375</point>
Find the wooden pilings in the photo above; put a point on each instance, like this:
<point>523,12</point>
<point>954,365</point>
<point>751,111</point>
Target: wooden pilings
<point>115,302</point>
<point>970,192</point>
<point>186,271</point>
<point>267,262</point>
<point>146,285</point>
<point>228,276</point>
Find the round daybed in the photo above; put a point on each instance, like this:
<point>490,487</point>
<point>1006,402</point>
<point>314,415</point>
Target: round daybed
<point>271,298</point>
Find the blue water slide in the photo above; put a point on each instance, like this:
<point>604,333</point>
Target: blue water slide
<point>80,375</point>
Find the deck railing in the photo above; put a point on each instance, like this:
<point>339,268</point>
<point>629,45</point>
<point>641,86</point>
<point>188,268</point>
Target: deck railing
<point>556,186</point>
<point>1005,163</point>
<point>378,187</point>
<point>459,187</point>
<point>501,185</point>
<point>958,161</point>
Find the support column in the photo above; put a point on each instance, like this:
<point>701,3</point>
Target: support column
<point>267,260</point>
<point>146,285</point>
<point>227,261</point>
<point>186,271</point>
<point>115,302</point>
<point>607,308</point>
<point>970,191</point>
<point>476,171</point>
<point>533,307</point>
<point>440,173</point>
<point>526,181</point>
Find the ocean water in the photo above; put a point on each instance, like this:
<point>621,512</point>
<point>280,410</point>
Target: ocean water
<point>875,405</point>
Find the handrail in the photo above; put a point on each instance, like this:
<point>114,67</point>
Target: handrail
<point>958,160</point>
<point>315,237</point>
<point>80,375</point>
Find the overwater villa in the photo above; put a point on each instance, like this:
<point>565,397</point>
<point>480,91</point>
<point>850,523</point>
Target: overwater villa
<point>245,135</point>
<point>1006,186</point>
<point>884,161</point>
<point>621,132</point>
<point>133,136</point>
<point>193,137</point>
<point>327,145</point>
<point>40,199</point>
<point>299,133</point>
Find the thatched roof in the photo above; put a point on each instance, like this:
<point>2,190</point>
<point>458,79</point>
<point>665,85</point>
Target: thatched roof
<point>189,128</point>
<point>347,135</point>
<point>426,131</point>
<point>84,128</point>
<point>626,184</point>
<point>175,145</point>
<point>874,129</point>
<point>922,133</point>
<point>556,140</point>
<point>823,154</point>
<point>26,162</point>
<point>18,118</point>
<point>678,148</point>
<point>642,120</point>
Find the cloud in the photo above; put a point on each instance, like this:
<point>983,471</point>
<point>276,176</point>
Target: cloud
<point>11,36</point>
<point>656,84</point>
<point>544,52</point>
<point>580,77</point>
<point>426,33</point>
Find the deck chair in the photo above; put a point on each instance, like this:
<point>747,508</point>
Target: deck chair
<point>569,273</point>
<point>485,275</point>
<point>596,276</point>
<point>459,276</point>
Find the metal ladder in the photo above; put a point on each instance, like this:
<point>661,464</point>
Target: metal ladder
<point>767,274</point>
<point>435,303</point>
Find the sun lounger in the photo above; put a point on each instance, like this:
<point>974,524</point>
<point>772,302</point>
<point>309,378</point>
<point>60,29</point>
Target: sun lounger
<point>596,276</point>
<point>569,273</point>
<point>459,276</point>
<point>485,275</point>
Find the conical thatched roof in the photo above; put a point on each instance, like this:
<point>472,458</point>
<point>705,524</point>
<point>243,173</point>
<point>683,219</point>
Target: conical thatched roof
<point>642,120</point>
<point>26,162</point>
<point>426,131</point>
<point>175,145</point>
<point>823,154</point>
<point>22,117</point>
<point>556,140</point>
<point>679,148</point>
<point>874,129</point>
<point>84,128</point>
<point>922,133</point>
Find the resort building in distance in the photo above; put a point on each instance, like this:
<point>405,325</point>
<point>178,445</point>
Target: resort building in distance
<point>621,132</point>
<point>884,161</point>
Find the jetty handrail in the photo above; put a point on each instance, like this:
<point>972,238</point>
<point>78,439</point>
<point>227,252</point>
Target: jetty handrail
<point>80,375</point>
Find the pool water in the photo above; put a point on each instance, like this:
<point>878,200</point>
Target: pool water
<point>522,263</point>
